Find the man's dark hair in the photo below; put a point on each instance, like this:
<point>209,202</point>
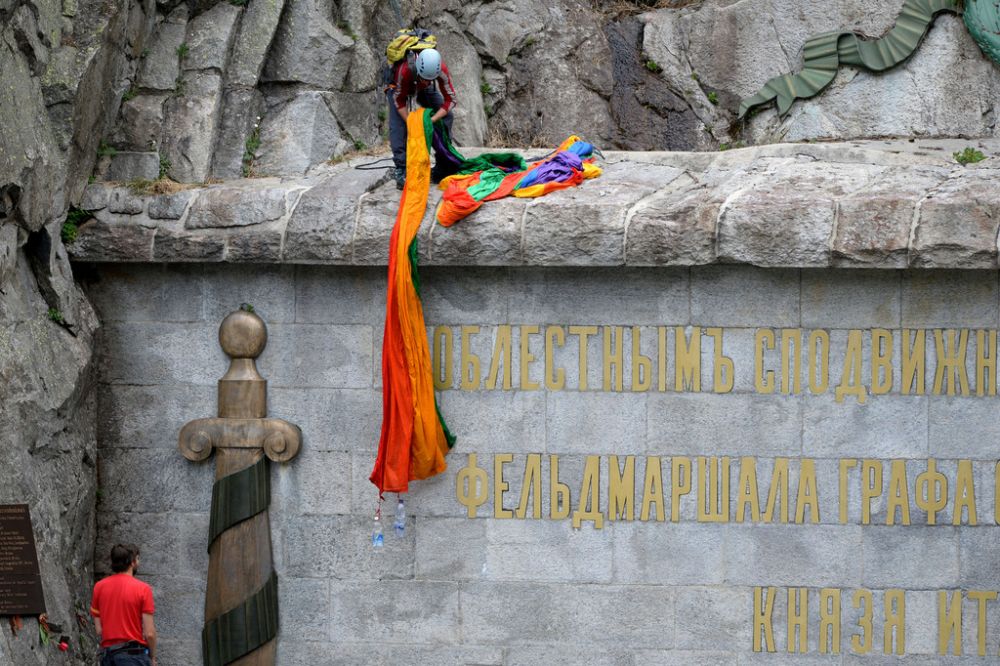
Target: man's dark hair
<point>122,557</point>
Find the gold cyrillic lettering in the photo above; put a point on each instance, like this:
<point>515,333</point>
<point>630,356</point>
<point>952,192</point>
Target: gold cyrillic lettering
<point>982,597</point>
<point>949,622</point>
<point>652,489</point>
<point>763,612</point>
<point>829,621</point>
<point>680,484</point>
<point>472,486</point>
<point>864,642</point>
<point>713,493</point>
<point>527,357</point>
<point>851,377</point>
<point>763,381</point>
<point>779,486</point>
<point>590,495</point>
<point>642,366</point>
<point>583,333</point>
<point>723,368</point>
<point>614,358</point>
<point>965,494</point>
<point>951,361</point>
<point>621,489</point>
<point>501,356</point>
<point>443,346</point>
<point>499,485</point>
<point>661,358</point>
<point>881,361</point>
<point>559,493</point>
<point>986,363</point>
<point>914,362</point>
<point>899,494</point>
<point>871,487</point>
<point>895,621</point>
<point>470,362</point>
<point>791,360</point>
<point>931,491</point>
<point>798,618</point>
<point>555,378</point>
<point>748,495</point>
<point>846,464</point>
<point>819,362</point>
<point>531,488</point>
<point>808,494</point>
<point>687,360</point>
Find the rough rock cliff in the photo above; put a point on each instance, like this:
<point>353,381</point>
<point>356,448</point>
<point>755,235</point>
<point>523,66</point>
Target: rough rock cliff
<point>61,67</point>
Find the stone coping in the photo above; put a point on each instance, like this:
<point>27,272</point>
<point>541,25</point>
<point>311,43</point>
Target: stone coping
<point>869,204</point>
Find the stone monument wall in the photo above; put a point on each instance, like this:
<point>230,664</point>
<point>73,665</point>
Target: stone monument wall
<point>650,462</point>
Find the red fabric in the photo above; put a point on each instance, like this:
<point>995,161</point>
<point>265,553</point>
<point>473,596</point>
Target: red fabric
<point>119,601</point>
<point>409,84</point>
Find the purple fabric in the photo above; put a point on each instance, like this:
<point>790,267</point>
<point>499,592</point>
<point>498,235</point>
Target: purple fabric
<point>559,168</point>
<point>441,150</point>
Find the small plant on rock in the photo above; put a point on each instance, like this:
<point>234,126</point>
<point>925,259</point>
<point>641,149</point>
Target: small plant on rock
<point>485,88</point>
<point>345,28</point>
<point>183,50</point>
<point>969,156</point>
<point>713,98</point>
<point>164,166</point>
<point>104,150</point>
<point>130,94</point>
<point>653,66</point>
<point>250,149</point>
<point>71,226</point>
<point>56,316</point>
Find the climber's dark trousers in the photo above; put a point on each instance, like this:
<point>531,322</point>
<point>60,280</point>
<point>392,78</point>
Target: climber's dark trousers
<point>428,98</point>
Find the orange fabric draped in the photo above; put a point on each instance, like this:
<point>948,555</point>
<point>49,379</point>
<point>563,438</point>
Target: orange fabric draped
<point>414,439</point>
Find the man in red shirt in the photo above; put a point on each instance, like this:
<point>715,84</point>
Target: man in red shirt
<point>427,82</point>
<point>122,607</point>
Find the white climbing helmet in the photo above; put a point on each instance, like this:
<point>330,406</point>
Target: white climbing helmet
<point>429,64</point>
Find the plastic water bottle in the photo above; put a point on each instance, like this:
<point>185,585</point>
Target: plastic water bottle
<point>400,523</point>
<point>378,539</point>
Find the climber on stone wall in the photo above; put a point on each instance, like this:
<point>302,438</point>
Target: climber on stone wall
<point>423,80</point>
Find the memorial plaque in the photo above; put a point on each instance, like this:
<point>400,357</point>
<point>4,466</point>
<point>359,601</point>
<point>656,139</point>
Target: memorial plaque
<point>20,581</point>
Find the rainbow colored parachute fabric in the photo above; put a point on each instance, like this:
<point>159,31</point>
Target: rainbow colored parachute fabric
<point>497,175</point>
<point>414,437</point>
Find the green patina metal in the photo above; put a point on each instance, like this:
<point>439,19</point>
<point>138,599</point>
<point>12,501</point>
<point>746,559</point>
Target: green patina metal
<point>824,54</point>
<point>243,629</point>
<point>239,496</point>
<point>982,18</point>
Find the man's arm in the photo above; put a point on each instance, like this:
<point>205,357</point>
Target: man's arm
<point>97,628</point>
<point>149,633</point>
<point>447,89</point>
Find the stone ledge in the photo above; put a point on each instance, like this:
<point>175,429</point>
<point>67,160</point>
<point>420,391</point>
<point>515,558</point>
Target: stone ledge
<point>866,204</point>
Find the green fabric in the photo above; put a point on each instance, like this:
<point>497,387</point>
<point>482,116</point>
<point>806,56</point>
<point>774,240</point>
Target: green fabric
<point>489,181</point>
<point>414,252</point>
<point>508,161</point>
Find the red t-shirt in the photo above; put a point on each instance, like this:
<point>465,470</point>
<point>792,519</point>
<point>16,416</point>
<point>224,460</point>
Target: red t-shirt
<point>119,602</point>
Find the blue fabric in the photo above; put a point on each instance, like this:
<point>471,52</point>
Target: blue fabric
<point>123,658</point>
